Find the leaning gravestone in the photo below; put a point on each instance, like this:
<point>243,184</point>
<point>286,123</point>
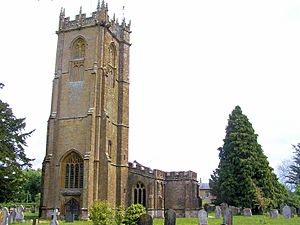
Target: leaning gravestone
<point>218,212</point>
<point>19,214</point>
<point>202,217</point>
<point>286,211</point>
<point>247,212</point>
<point>5,216</point>
<point>274,213</point>
<point>170,217</point>
<point>223,207</point>
<point>145,219</point>
<point>54,219</point>
<point>227,220</point>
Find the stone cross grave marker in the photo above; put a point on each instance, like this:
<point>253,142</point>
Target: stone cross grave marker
<point>54,219</point>
<point>218,212</point>
<point>170,217</point>
<point>202,217</point>
<point>247,212</point>
<point>145,219</point>
<point>286,211</point>
<point>227,216</point>
<point>19,214</point>
<point>5,216</point>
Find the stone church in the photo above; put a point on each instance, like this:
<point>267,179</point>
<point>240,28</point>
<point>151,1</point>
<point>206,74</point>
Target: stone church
<point>87,139</point>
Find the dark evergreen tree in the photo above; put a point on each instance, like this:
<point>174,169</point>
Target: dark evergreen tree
<point>293,176</point>
<point>12,155</point>
<point>244,177</point>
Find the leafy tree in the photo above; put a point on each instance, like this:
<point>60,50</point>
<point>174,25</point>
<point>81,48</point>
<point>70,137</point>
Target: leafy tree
<point>31,185</point>
<point>293,176</point>
<point>133,214</point>
<point>12,155</point>
<point>243,177</point>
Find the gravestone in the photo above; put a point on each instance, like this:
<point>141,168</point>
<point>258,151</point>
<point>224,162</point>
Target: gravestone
<point>274,213</point>
<point>227,216</point>
<point>4,220</point>
<point>202,217</point>
<point>35,221</point>
<point>19,214</point>
<point>170,217</point>
<point>145,219</point>
<point>286,211</point>
<point>218,212</point>
<point>12,215</point>
<point>298,212</point>
<point>223,207</point>
<point>54,219</point>
<point>247,212</point>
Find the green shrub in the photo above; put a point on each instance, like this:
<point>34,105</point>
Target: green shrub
<point>119,214</point>
<point>101,213</point>
<point>133,214</point>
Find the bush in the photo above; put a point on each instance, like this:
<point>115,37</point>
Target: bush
<point>101,213</point>
<point>133,214</point>
<point>119,214</point>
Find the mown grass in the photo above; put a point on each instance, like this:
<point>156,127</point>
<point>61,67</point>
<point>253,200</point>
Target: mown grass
<point>237,220</point>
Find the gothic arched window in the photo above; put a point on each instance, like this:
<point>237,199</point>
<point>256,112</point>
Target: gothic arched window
<point>139,194</point>
<point>78,51</point>
<point>112,54</point>
<point>73,171</point>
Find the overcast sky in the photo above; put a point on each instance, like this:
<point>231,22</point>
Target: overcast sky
<point>191,63</point>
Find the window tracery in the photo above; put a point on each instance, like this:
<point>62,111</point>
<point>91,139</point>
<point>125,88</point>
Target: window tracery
<point>139,194</point>
<point>73,171</point>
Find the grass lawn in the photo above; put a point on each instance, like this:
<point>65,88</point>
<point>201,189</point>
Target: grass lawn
<point>237,220</point>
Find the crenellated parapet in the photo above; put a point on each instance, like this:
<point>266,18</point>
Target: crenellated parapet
<point>99,18</point>
<point>159,174</point>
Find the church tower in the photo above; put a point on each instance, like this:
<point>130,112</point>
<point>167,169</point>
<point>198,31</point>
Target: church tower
<point>87,141</point>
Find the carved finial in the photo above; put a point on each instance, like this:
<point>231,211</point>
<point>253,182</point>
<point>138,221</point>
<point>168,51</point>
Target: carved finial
<point>98,5</point>
<point>117,22</point>
<point>129,24</point>
<point>102,4</point>
<point>114,17</point>
<point>123,22</point>
<point>80,10</point>
<point>62,12</point>
<point>106,5</point>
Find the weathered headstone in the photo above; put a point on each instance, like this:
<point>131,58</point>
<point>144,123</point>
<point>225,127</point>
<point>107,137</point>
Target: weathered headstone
<point>286,211</point>
<point>12,215</point>
<point>4,220</point>
<point>54,219</point>
<point>145,219</point>
<point>19,214</point>
<point>170,217</point>
<point>227,216</point>
<point>274,213</point>
<point>35,221</point>
<point>218,212</point>
<point>247,212</point>
<point>202,217</point>
<point>223,207</point>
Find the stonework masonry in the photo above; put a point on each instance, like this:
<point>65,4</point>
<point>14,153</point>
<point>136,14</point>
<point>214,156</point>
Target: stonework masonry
<point>87,138</point>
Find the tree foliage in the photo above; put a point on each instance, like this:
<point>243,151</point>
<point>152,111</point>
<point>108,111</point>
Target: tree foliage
<point>243,177</point>
<point>133,214</point>
<point>293,176</point>
<point>12,155</point>
<point>101,213</point>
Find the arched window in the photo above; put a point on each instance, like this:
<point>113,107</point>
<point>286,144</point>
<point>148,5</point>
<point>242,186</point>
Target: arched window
<point>73,171</point>
<point>112,54</point>
<point>78,51</point>
<point>139,194</point>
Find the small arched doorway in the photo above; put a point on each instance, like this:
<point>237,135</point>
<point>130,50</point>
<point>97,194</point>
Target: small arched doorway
<point>72,210</point>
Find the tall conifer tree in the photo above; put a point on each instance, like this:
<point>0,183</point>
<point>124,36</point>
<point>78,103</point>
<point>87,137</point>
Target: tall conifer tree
<point>244,177</point>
